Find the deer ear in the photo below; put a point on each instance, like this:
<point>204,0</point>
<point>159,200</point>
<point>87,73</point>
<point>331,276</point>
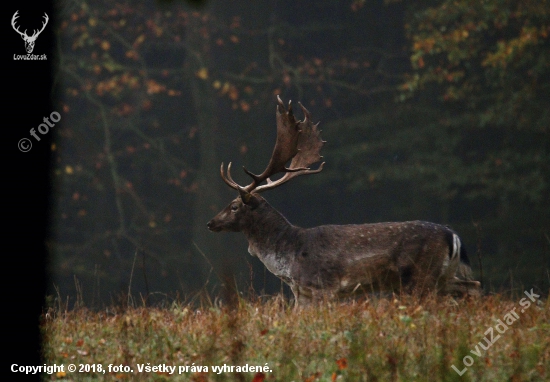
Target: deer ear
<point>245,196</point>
<point>249,199</point>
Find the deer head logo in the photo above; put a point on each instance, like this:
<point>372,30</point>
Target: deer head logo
<point>29,40</point>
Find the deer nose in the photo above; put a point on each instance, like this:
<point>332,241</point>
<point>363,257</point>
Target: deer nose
<point>213,226</point>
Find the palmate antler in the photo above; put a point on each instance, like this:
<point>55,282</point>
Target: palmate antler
<point>297,141</point>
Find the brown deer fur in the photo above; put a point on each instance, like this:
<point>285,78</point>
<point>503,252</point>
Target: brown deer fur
<point>339,260</point>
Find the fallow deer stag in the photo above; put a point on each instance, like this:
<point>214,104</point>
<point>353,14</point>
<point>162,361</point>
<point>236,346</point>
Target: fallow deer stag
<point>338,260</point>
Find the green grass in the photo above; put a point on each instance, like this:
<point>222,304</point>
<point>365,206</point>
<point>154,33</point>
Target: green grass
<point>396,339</point>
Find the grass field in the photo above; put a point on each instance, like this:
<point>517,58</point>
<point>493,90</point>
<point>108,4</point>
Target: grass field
<point>397,339</point>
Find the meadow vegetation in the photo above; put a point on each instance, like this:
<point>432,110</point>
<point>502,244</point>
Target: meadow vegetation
<point>397,338</point>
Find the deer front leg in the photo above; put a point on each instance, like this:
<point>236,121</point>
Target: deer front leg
<point>302,296</point>
<point>306,296</point>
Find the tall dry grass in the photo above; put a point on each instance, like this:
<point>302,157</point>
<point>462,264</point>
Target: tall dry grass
<point>377,339</point>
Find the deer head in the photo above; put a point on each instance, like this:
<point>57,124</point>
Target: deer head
<point>298,142</point>
<point>29,40</point>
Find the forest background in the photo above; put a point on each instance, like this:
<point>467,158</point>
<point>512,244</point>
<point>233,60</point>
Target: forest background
<point>432,110</point>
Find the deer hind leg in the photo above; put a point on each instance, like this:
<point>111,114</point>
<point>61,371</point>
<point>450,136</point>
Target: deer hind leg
<point>462,288</point>
<point>429,274</point>
<point>419,280</point>
<point>425,286</point>
<point>453,285</point>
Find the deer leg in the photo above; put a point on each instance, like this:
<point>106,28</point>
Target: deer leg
<point>463,288</point>
<point>301,296</point>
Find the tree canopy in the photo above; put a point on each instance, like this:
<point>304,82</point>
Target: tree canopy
<point>435,110</point>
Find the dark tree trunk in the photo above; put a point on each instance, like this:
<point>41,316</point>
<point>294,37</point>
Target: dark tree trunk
<point>208,199</point>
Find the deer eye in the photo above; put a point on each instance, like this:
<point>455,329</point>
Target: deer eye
<point>234,208</point>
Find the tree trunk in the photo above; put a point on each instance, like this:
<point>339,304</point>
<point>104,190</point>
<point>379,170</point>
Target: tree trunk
<point>208,247</point>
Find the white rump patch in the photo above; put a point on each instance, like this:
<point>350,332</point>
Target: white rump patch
<point>450,263</point>
<point>456,247</point>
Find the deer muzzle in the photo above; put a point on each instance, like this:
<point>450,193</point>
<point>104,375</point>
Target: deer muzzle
<point>212,226</point>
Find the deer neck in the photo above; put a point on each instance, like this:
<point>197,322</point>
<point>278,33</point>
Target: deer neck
<point>272,239</point>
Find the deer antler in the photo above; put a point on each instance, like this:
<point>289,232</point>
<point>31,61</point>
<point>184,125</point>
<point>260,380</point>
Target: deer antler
<point>300,141</point>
